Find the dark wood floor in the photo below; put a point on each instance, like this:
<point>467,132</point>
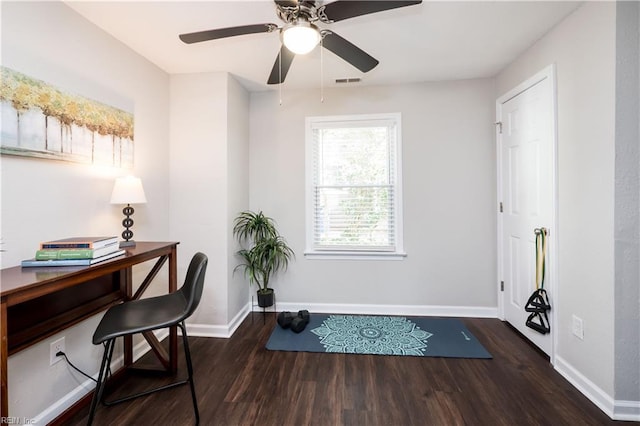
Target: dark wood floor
<point>239,382</point>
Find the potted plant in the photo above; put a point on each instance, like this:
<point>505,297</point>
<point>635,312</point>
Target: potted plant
<point>265,254</point>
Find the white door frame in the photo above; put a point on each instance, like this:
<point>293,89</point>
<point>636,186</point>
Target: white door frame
<point>552,256</point>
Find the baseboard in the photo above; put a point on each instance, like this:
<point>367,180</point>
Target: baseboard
<point>615,409</point>
<point>60,406</point>
<point>409,310</point>
<point>626,410</point>
<point>226,331</point>
<point>64,403</point>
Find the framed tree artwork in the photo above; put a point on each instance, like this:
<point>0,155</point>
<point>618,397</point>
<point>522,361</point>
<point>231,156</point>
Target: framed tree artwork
<point>40,120</point>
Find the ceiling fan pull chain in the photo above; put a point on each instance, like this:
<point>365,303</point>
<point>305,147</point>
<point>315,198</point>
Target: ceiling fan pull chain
<point>280,75</point>
<point>321,72</point>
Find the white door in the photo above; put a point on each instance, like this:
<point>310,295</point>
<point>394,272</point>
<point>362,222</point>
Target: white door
<point>526,185</point>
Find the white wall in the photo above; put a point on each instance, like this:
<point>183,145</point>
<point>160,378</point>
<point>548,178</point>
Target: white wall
<point>209,184</point>
<point>449,198</point>
<point>198,182</point>
<point>44,199</point>
<point>583,47</point>
<point>237,191</point>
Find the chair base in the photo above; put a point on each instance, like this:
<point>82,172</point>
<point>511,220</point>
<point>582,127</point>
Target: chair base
<point>145,393</point>
<point>104,373</point>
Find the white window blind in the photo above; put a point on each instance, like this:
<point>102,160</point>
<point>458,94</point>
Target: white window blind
<point>353,190</point>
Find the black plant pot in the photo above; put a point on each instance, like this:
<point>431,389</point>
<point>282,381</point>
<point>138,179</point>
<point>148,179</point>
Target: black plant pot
<point>266,299</point>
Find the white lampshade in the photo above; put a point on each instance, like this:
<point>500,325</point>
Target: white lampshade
<point>301,38</point>
<point>128,190</point>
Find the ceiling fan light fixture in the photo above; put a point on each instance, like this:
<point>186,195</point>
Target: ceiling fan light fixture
<point>301,37</point>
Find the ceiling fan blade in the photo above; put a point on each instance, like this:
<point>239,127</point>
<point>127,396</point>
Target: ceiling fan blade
<point>279,72</point>
<point>226,32</point>
<point>286,3</point>
<point>349,51</point>
<point>345,9</point>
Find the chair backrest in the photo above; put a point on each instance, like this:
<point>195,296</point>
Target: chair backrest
<point>194,282</point>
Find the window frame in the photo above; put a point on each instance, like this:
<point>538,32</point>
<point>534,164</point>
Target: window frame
<point>343,121</point>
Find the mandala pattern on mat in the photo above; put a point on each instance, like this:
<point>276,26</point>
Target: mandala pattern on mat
<point>372,335</point>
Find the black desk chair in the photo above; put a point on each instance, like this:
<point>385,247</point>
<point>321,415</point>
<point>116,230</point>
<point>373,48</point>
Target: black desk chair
<point>150,314</point>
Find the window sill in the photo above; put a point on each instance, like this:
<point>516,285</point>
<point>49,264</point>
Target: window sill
<point>353,255</point>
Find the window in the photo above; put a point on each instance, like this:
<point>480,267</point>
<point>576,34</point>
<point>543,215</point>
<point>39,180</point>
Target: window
<point>354,195</point>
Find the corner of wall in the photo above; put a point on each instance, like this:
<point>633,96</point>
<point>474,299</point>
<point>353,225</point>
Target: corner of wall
<point>627,203</point>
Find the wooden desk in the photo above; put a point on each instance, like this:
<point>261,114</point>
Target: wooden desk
<point>38,302</point>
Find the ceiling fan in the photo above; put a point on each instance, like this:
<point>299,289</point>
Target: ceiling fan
<point>300,33</point>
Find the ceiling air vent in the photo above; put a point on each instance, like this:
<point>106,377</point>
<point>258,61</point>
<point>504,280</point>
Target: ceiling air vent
<point>348,80</point>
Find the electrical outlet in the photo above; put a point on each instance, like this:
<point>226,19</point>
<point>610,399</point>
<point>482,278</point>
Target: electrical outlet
<point>577,327</point>
<point>56,346</point>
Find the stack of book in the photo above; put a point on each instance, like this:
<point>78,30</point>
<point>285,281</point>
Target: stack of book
<point>75,251</point>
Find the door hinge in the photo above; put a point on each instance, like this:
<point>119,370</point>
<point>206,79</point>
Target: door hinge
<point>501,207</point>
<point>499,124</point>
<point>501,285</point>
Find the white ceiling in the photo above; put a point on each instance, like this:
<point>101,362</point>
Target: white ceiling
<point>432,41</point>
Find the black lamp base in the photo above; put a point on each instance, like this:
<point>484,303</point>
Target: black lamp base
<point>127,234</point>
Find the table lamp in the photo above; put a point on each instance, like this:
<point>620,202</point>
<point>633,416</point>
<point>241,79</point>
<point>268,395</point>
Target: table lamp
<point>128,190</point>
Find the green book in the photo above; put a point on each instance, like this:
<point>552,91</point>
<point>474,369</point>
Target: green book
<point>77,253</point>
<point>71,262</point>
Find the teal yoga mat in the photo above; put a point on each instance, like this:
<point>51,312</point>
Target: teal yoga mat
<point>381,335</point>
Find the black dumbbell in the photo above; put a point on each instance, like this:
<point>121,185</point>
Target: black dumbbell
<point>300,321</point>
<point>284,319</point>
<point>304,314</point>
